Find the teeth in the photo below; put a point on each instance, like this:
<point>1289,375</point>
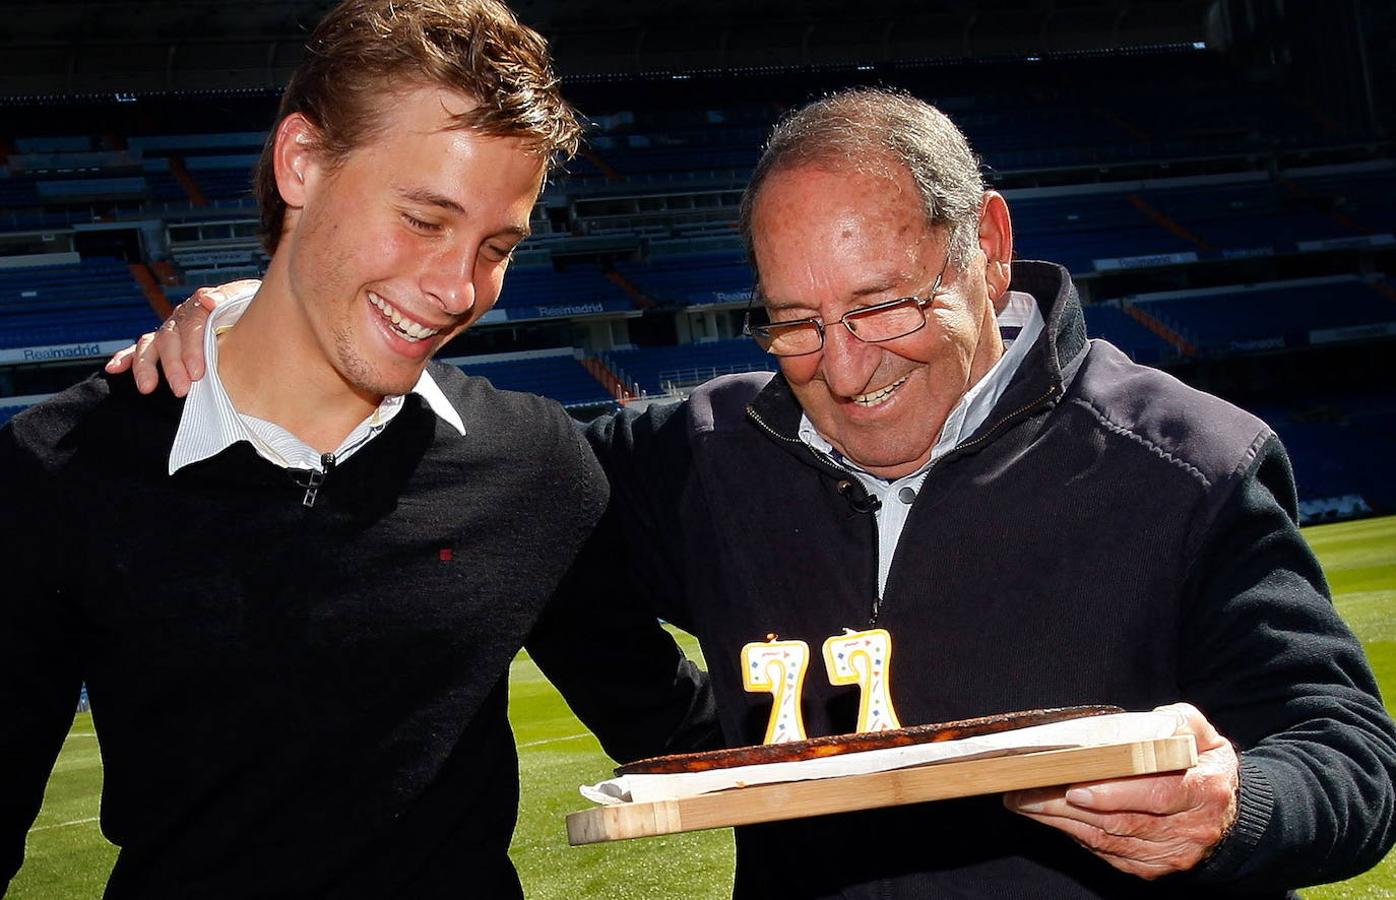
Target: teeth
<point>408,329</point>
<point>878,396</point>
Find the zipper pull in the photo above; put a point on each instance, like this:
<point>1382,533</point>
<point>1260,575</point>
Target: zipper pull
<point>876,608</point>
<point>312,484</point>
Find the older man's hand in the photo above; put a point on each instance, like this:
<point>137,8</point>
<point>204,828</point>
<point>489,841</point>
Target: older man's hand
<point>1152,825</point>
<point>178,344</point>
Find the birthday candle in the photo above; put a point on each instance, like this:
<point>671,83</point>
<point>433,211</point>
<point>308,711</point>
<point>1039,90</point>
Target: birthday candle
<point>778,667</point>
<point>863,658</point>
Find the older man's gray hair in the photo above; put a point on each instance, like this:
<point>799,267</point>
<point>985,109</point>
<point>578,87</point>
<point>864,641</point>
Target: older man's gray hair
<point>874,131</point>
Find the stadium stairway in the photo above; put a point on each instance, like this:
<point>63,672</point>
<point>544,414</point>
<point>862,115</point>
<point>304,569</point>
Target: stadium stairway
<point>1302,192</point>
<point>186,181</point>
<point>1167,223</point>
<point>637,296</point>
<point>154,295</point>
<point>165,272</point>
<point>1173,338</point>
<point>608,379</point>
<point>601,165</point>
<point>557,374</point>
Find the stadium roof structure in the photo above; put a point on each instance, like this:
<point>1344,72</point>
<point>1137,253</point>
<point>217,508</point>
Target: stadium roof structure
<point>67,47</point>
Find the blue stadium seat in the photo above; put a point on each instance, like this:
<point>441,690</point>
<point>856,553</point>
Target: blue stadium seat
<point>560,377</point>
<point>93,300</point>
<point>9,412</point>
<point>693,278</point>
<point>541,287</point>
<point>1275,316</point>
<point>655,370</point>
<point>1128,334</point>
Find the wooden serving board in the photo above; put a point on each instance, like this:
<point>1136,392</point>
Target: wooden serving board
<point>937,781</point>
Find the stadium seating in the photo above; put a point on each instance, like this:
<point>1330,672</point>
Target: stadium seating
<point>1274,316</point>
<point>1341,445</point>
<point>1176,192</point>
<point>542,291</point>
<point>1078,230</point>
<point>1219,218</point>
<point>657,371</point>
<point>93,300</point>
<point>690,279</point>
<point>558,376</point>
<point>1111,323</point>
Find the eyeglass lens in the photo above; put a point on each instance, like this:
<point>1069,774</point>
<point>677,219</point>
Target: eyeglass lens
<point>870,325</point>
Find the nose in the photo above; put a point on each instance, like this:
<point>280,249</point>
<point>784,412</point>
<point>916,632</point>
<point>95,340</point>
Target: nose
<point>848,364</point>
<point>449,279</point>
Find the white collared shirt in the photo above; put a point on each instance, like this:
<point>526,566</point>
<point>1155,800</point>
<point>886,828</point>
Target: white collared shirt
<point>1019,323</point>
<point>210,424</point>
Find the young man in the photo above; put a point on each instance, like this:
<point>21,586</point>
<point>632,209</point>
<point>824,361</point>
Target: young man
<point>298,670</point>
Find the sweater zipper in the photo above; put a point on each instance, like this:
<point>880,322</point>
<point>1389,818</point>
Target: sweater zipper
<point>327,462</point>
<point>317,478</point>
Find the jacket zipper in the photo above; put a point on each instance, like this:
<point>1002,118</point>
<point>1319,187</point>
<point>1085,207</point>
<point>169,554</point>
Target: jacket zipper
<point>998,426</point>
<point>823,463</point>
<point>993,432</point>
<point>847,482</point>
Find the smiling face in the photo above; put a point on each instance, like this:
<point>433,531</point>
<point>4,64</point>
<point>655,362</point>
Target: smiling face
<point>394,250</point>
<point>827,242</point>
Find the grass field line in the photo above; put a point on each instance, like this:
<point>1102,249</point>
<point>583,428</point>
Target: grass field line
<point>556,740</point>
<point>545,741</point>
<point>86,821</point>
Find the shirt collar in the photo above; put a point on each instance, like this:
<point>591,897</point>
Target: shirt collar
<point>210,424</point>
<point>1019,309</point>
<point>1021,321</point>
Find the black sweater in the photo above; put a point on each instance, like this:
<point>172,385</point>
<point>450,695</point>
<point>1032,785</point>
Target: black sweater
<point>297,701</point>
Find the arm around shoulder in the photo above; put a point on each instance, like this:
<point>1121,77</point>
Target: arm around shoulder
<point>600,640</point>
<point>602,645</point>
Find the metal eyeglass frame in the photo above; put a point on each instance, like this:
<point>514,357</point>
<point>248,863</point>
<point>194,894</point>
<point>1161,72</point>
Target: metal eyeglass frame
<point>820,325</point>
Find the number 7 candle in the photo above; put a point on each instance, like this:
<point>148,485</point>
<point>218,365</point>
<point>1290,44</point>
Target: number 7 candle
<point>778,667</point>
<point>863,658</point>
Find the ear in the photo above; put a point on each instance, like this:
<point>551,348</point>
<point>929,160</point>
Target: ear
<point>296,158</point>
<point>996,240</point>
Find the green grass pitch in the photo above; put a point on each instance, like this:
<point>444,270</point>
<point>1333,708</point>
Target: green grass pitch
<point>68,858</point>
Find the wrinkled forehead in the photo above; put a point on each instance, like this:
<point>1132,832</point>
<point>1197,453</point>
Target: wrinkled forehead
<point>837,194</point>
<point>826,231</point>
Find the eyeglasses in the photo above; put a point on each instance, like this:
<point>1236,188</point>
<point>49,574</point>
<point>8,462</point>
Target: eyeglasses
<point>872,324</point>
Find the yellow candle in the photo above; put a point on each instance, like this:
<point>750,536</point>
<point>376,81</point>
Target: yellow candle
<point>778,667</point>
<point>863,658</point>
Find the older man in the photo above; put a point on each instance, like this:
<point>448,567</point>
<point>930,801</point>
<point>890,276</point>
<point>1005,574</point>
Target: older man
<point>1035,520</point>
<point>299,668</point>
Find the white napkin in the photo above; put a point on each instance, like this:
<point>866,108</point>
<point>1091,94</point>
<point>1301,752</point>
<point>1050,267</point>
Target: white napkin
<point>1090,731</point>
